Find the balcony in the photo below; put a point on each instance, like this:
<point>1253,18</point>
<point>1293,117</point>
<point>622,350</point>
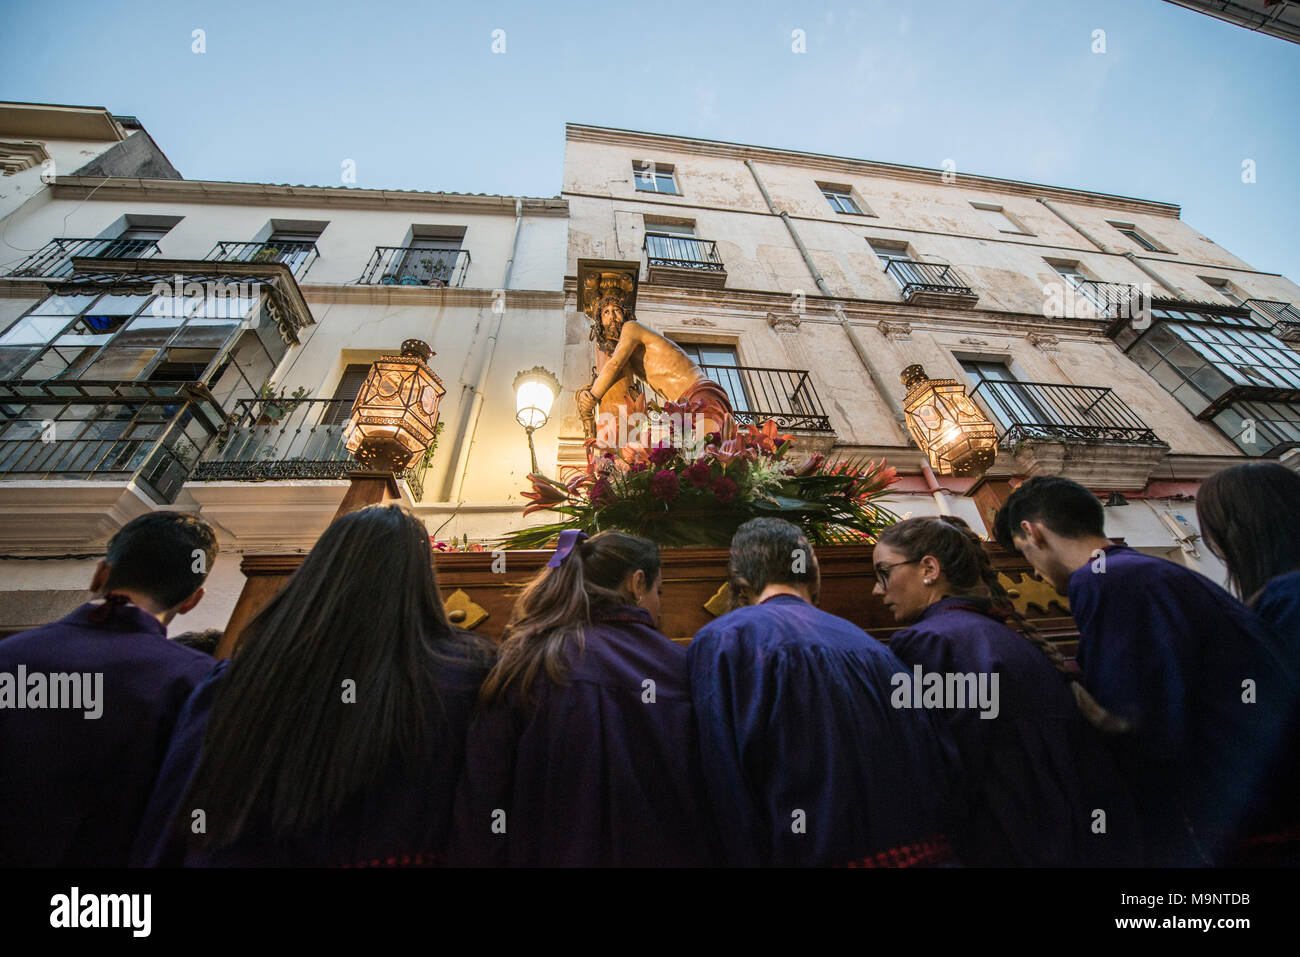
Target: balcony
<point>684,261</point>
<point>1284,316</point>
<point>1085,432</point>
<point>270,439</point>
<point>151,433</point>
<point>757,394</point>
<point>437,266</point>
<point>1114,300</point>
<point>298,256</point>
<point>54,259</point>
<point>930,284</point>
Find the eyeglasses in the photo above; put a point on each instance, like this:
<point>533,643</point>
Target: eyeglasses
<point>882,571</point>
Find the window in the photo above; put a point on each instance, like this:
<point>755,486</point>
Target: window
<point>345,393</point>
<point>1010,403</point>
<point>121,336</point>
<point>135,237</point>
<point>1223,289</point>
<point>904,269</point>
<point>841,199</point>
<point>431,255</point>
<point>721,364</point>
<point>999,220</point>
<point>1198,357</point>
<point>291,242</point>
<point>654,177</point>
<point>1139,239</point>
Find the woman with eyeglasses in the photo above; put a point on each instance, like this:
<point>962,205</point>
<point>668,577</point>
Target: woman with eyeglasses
<point>1039,787</point>
<point>584,752</point>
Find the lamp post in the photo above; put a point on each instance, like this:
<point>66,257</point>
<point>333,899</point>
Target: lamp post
<point>949,428</point>
<point>535,392</point>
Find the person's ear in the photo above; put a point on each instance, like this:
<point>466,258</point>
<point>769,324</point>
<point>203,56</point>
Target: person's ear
<point>100,578</point>
<point>929,566</point>
<point>190,602</point>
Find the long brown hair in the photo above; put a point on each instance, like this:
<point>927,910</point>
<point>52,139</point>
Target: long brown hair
<point>1250,517</point>
<point>970,574</point>
<point>362,607</point>
<point>556,607</point>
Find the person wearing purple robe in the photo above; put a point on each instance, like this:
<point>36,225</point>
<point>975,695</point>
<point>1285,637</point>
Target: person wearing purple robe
<point>807,760</point>
<point>584,752</point>
<point>335,736</point>
<point>1250,517</point>
<point>88,703</point>
<point>1040,788</point>
<point>1200,680</point>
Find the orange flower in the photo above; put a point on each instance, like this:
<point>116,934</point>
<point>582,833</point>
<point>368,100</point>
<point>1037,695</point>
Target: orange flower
<point>545,493</point>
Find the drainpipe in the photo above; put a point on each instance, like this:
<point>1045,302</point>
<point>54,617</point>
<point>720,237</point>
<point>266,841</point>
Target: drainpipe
<point>462,462</point>
<point>858,347</point>
<point>933,483</point>
<point>1131,257</point>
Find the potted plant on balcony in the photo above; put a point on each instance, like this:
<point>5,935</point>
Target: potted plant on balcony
<point>267,254</point>
<point>276,404</point>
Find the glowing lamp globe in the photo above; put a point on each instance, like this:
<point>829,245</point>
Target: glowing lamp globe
<point>947,425</point>
<point>395,412</point>
<point>535,392</point>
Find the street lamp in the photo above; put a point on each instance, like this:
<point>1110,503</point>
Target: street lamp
<point>535,392</point>
<point>395,412</point>
<point>949,428</point>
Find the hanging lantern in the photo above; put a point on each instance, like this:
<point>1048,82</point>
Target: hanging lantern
<point>395,412</point>
<point>947,425</point>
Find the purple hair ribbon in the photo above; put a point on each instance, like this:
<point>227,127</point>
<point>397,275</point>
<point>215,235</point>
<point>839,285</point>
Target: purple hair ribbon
<point>568,538</point>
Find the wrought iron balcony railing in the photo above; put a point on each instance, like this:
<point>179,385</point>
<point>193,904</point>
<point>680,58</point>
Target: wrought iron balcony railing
<point>54,259</point>
<point>1073,413</point>
<point>1113,299</point>
<point>285,439</point>
<point>1284,316</point>
<point>757,394</point>
<point>416,266</point>
<point>932,279</point>
<point>151,433</point>
<point>298,256</point>
<point>682,252</point>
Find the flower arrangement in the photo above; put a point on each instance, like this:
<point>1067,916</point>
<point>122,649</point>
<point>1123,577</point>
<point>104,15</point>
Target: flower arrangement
<point>456,546</point>
<point>679,495</point>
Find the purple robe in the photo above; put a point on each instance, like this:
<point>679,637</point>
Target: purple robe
<point>807,762</point>
<point>602,770</point>
<point>1279,605</point>
<point>1173,653</point>
<point>73,788</point>
<point>1036,771</point>
<point>403,819</point>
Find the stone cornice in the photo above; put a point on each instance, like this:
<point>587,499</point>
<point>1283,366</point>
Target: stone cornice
<point>756,304</point>
<point>229,193</point>
<point>378,294</point>
<point>578,132</point>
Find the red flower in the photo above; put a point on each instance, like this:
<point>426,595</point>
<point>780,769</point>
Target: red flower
<point>697,473</point>
<point>724,489</point>
<point>662,454</point>
<point>601,493</point>
<point>664,485</point>
<point>637,467</point>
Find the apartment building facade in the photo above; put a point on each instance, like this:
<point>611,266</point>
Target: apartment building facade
<point>807,284</point>
<point>197,345</point>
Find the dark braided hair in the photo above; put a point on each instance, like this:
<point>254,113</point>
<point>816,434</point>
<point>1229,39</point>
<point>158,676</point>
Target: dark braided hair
<point>969,573</point>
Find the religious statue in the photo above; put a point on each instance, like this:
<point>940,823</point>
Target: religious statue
<point>627,349</point>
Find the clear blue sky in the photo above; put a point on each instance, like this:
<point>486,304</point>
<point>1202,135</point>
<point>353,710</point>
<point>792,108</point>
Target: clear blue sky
<point>414,94</point>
